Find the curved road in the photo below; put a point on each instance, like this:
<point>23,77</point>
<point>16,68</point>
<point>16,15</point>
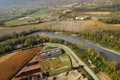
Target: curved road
<point>105,52</point>
<point>71,53</point>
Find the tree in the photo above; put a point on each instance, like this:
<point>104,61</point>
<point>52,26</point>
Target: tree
<point>29,42</point>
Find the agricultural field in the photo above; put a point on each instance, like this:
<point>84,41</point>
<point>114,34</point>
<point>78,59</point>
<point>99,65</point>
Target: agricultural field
<point>4,58</point>
<point>63,22</point>
<point>16,62</point>
<point>29,20</point>
<point>57,65</point>
<point>74,26</point>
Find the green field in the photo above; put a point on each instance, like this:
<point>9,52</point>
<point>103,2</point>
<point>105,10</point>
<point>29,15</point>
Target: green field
<point>16,22</point>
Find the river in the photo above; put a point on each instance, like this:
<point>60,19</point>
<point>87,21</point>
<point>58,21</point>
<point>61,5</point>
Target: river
<point>106,53</point>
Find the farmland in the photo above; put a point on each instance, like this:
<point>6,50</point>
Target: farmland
<point>63,21</point>
<point>75,26</point>
<point>5,57</point>
<point>16,62</point>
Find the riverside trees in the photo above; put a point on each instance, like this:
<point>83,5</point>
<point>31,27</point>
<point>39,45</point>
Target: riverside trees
<point>107,38</point>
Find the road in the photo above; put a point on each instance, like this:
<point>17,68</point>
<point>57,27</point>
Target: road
<point>71,53</point>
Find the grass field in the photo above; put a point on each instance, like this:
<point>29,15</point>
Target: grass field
<point>16,22</point>
<point>10,66</point>
<point>57,65</point>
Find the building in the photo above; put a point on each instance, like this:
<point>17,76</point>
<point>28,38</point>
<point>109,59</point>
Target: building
<point>50,53</point>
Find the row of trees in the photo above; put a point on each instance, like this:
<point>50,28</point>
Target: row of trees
<point>22,42</point>
<point>12,35</point>
<point>17,35</point>
<point>112,20</point>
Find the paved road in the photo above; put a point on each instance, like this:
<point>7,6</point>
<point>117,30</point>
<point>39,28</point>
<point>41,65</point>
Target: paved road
<point>71,53</point>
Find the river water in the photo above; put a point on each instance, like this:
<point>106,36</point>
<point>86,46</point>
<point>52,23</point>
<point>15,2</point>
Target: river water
<point>105,53</point>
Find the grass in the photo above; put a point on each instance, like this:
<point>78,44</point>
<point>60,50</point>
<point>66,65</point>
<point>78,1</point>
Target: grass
<point>9,67</point>
<point>57,65</point>
<point>41,12</point>
<point>49,47</point>
<point>16,22</point>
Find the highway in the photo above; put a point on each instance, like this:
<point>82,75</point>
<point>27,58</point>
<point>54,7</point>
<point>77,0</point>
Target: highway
<point>71,53</point>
